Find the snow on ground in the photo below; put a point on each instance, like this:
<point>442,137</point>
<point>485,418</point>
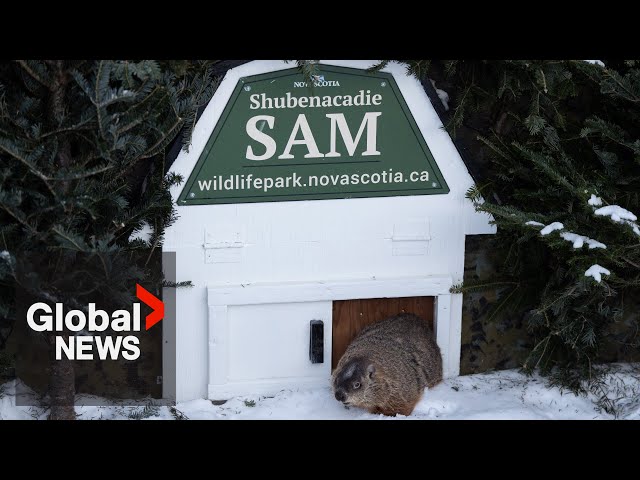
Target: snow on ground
<point>501,395</point>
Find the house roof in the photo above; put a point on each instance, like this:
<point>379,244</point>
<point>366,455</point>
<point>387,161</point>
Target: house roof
<point>416,93</point>
<point>222,66</point>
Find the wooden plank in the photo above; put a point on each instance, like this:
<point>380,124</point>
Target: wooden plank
<point>292,292</point>
<point>351,316</point>
<point>341,330</point>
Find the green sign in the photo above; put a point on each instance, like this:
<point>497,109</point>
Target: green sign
<point>348,135</point>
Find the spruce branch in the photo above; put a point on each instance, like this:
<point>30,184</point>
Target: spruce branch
<point>31,72</point>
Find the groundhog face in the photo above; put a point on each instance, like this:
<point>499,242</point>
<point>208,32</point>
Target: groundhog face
<point>351,382</point>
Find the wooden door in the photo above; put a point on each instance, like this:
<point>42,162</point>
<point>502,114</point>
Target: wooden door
<point>351,316</point>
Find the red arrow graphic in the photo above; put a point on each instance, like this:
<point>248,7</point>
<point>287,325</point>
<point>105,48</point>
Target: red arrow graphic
<point>154,302</point>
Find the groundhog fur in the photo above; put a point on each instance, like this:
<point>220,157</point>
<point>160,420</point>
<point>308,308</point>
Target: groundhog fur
<point>387,366</point>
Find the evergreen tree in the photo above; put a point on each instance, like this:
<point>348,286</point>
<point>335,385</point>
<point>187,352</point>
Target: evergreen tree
<point>82,148</point>
<point>563,184</point>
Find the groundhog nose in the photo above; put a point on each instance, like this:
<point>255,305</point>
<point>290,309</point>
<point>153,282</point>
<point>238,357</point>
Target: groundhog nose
<point>340,396</point>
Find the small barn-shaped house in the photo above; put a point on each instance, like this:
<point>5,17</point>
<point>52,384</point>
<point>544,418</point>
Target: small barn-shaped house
<point>311,208</point>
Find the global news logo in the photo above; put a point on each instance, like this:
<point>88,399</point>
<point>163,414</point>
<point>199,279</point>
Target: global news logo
<point>42,318</point>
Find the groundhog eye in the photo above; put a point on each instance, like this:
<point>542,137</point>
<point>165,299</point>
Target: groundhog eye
<point>356,385</point>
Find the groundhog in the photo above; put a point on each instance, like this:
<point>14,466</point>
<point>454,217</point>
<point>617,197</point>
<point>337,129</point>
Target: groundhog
<point>388,365</point>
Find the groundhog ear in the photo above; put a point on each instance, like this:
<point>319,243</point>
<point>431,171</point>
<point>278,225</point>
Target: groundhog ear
<point>371,369</point>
